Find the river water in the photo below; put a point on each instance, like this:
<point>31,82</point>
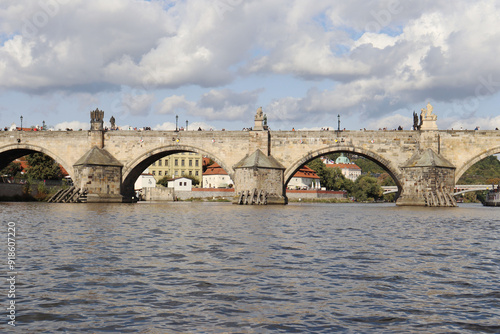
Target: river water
<point>222,268</point>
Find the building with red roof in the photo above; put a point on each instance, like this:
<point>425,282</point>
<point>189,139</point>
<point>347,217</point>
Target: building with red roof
<point>216,177</point>
<point>349,169</point>
<point>305,178</point>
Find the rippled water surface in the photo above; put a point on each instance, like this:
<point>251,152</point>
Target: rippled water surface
<point>221,268</point>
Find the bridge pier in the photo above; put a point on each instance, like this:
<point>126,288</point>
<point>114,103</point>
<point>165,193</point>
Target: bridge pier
<point>97,171</point>
<point>428,180</point>
<point>260,173</point>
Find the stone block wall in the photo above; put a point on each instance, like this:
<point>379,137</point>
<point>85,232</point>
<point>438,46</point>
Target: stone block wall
<point>422,183</point>
<point>101,180</point>
<point>158,194</point>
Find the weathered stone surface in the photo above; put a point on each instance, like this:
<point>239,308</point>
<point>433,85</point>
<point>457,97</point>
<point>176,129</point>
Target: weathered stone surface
<point>136,150</point>
<point>429,180</point>
<point>101,174</point>
<point>98,156</point>
<point>262,173</point>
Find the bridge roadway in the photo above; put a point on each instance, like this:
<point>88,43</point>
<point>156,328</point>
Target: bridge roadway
<point>400,153</point>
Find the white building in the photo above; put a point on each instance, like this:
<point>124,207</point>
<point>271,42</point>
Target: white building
<point>216,177</point>
<point>180,184</point>
<point>305,179</point>
<point>349,169</point>
<point>145,181</point>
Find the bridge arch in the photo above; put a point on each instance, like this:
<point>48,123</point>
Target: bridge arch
<point>134,169</point>
<point>382,162</point>
<point>9,153</point>
<point>461,170</point>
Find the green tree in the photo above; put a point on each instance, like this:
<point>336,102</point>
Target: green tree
<point>164,181</point>
<point>42,167</point>
<point>330,178</point>
<point>486,171</point>
<point>12,169</point>
<point>368,166</point>
<point>194,179</point>
<point>366,188</point>
<point>385,180</point>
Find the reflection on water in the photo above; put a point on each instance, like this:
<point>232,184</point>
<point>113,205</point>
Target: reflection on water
<point>221,268</point>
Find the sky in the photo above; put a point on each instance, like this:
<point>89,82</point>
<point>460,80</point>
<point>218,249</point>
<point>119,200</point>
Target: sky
<point>212,63</point>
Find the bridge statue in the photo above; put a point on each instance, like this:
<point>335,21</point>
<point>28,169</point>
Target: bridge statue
<point>425,164</point>
<point>96,120</point>
<point>427,118</point>
<point>260,121</point>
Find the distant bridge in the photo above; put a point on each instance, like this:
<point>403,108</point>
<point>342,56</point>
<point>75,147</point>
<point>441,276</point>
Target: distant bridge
<point>459,189</point>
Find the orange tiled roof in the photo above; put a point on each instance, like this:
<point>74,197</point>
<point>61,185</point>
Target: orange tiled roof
<point>24,165</point>
<point>215,169</point>
<point>205,161</point>
<point>306,172</point>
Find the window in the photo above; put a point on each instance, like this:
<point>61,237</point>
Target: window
<point>190,163</point>
<point>176,162</point>
<point>159,162</point>
<point>190,172</point>
<point>154,172</point>
<point>154,164</point>
<point>159,173</point>
<point>183,172</point>
<point>196,173</point>
<point>182,163</point>
<point>176,173</point>
<point>197,163</point>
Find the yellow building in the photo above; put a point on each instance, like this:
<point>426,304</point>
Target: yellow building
<point>177,165</point>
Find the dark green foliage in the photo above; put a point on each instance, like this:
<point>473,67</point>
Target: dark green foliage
<point>12,169</point>
<point>164,181</point>
<point>386,180</point>
<point>366,188</point>
<point>193,178</point>
<point>42,167</point>
<point>486,171</point>
<point>368,166</point>
<point>330,178</point>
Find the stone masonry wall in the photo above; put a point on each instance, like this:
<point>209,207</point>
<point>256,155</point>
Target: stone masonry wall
<point>99,179</point>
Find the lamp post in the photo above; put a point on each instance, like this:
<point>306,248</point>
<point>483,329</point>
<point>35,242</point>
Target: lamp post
<point>187,124</point>
<point>21,122</point>
<point>43,125</point>
<point>338,117</point>
<point>176,123</point>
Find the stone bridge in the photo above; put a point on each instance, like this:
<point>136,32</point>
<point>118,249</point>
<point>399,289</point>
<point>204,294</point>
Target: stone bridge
<point>425,164</point>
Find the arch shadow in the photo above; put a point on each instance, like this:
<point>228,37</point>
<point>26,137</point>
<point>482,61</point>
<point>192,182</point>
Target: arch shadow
<point>134,169</point>
<point>9,153</point>
<point>382,162</point>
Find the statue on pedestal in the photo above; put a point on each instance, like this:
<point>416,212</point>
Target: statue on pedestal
<point>260,120</point>
<point>427,118</point>
<point>427,113</point>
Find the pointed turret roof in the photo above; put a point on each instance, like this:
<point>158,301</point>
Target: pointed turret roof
<point>98,156</point>
<point>428,158</point>
<point>259,160</point>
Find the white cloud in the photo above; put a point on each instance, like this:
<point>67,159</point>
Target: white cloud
<point>73,125</point>
<point>392,122</point>
<point>214,105</point>
<point>379,56</point>
<point>137,104</point>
